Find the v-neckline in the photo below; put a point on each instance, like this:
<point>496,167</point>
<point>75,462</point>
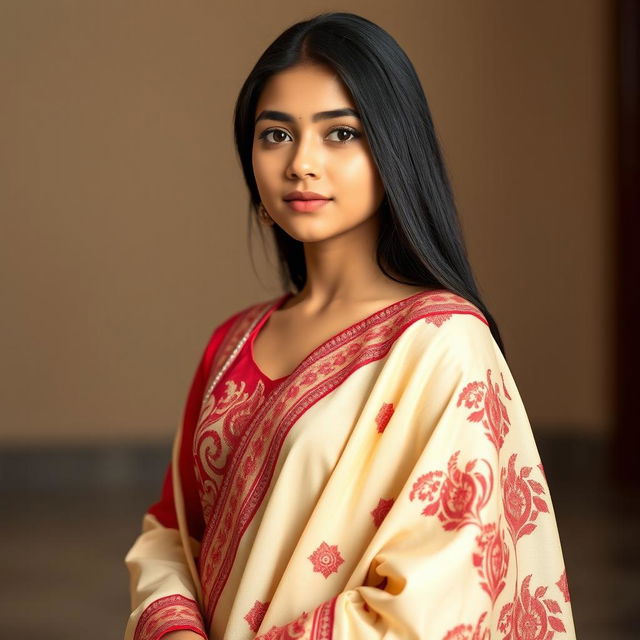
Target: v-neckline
<point>282,299</point>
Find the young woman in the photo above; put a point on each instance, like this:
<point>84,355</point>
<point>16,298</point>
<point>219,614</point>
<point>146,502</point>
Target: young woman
<point>354,460</point>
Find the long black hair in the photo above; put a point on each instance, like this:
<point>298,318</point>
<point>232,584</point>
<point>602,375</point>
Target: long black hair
<point>420,239</point>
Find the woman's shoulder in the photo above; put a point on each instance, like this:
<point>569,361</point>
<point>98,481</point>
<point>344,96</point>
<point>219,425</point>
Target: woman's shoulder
<point>446,323</point>
<point>236,322</point>
<point>438,308</point>
<point>246,313</point>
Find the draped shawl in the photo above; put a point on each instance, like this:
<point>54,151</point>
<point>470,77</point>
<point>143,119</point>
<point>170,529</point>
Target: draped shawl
<point>389,487</point>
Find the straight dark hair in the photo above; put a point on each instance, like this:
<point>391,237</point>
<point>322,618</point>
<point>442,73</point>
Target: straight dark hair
<point>420,238</point>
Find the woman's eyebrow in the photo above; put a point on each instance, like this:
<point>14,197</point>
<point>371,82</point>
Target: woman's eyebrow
<point>281,116</point>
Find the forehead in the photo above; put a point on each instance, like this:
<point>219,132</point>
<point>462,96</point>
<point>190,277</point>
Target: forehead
<point>303,90</point>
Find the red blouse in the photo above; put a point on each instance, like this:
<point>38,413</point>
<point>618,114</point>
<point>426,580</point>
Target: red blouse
<point>243,368</point>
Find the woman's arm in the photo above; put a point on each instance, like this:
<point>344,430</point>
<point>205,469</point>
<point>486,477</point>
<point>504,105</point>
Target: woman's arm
<point>164,597</point>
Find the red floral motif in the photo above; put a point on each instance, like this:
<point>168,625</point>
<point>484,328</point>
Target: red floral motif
<point>170,613</point>
<point>468,632</point>
<point>384,415</point>
<point>381,510</point>
<point>563,586</point>
<point>354,347</point>
<point>292,391</point>
<point>385,331</point>
<point>485,397</point>
<point>326,559</point>
<point>256,614</point>
<point>526,618</point>
<point>338,360</point>
<point>521,499</point>
<point>289,631</point>
<point>326,368</point>
<point>309,378</point>
<point>492,559</point>
<point>472,395</point>
<point>458,497</point>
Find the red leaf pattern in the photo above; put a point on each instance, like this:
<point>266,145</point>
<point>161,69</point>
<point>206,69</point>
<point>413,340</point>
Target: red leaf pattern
<point>553,606</point>
<point>504,389</point>
<point>540,504</point>
<point>556,624</point>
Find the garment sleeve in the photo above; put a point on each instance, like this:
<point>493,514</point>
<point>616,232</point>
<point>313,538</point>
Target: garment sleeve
<point>469,548</point>
<point>164,597</point>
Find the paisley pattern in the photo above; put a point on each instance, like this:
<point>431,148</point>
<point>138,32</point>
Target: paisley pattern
<point>224,418</point>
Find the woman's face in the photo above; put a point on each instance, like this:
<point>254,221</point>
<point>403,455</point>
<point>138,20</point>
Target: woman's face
<point>300,148</point>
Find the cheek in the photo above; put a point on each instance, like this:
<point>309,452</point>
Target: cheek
<point>357,182</point>
<point>258,167</point>
<point>263,169</point>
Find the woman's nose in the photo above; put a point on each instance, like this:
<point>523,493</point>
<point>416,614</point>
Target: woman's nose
<point>305,159</point>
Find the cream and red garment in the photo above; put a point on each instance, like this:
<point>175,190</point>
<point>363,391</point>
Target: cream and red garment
<point>390,487</point>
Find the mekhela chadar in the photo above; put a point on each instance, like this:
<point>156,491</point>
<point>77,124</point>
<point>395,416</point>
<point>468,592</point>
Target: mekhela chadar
<point>389,487</point>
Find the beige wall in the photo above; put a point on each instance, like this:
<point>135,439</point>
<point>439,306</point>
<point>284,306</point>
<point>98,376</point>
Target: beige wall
<point>124,212</point>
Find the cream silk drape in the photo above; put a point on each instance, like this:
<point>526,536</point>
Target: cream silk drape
<point>390,488</point>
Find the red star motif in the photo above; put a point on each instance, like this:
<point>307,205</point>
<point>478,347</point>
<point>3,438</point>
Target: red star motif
<point>326,559</point>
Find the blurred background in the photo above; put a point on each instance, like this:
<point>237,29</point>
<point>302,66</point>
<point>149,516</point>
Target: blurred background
<point>124,241</point>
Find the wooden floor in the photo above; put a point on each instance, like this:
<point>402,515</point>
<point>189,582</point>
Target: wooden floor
<point>64,577</point>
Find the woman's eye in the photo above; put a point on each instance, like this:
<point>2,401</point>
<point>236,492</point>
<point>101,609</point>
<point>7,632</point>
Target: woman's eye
<point>345,130</point>
<point>278,133</point>
<point>345,134</point>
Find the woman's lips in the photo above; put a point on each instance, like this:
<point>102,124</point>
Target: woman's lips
<point>306,205</point>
